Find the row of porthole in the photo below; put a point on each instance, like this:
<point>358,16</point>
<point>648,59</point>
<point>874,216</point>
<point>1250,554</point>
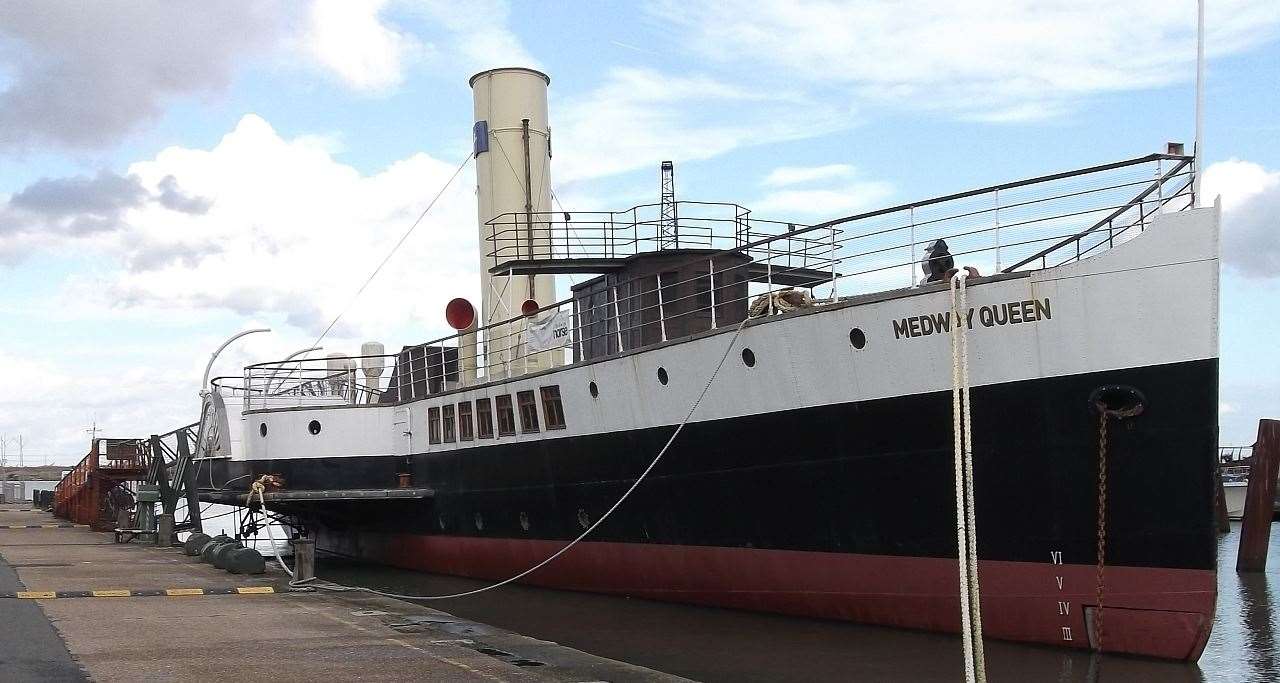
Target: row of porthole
<point>312,426</point>
<point>584,520</point>
<point>857,339</point>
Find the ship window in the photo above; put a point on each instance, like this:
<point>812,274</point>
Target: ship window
<point>484,418</point>
<point>506,418</point>
<point>314,427</point>
<point>552,408</point>
<point>433,425</point>
<point>449,434</point>
<point>749,358</point>
<point>465,431</point>
<point>662,376</point>
<point>702,290</point>
<point>528,411</point>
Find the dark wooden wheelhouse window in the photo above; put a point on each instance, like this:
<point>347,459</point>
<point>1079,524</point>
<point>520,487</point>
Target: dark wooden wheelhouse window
<point>484,418</point>
<point>528,411</point>
<point>506,416</point>
<point>465,430</point>
<point>551,407</point>
<point>450,435</point>
<point>433,425</point>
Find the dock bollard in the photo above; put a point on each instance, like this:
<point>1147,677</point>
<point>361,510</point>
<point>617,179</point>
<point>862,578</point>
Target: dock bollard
<point>304,557</point>
<point>164,530</point>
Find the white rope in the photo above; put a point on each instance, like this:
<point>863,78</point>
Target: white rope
<point>329,586</point>
<point>258,489</point>
<point>966,521</point>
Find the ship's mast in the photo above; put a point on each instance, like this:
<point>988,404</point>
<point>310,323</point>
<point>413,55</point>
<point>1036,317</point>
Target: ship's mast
<point>1198,149</point>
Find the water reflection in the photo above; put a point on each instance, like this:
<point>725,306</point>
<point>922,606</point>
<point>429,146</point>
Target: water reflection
<point>1258,620</point>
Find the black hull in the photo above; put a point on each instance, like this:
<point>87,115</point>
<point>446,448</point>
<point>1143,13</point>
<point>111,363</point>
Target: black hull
<point>870,478</point>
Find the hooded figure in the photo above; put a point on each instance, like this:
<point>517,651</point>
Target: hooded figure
<point>937,261</point>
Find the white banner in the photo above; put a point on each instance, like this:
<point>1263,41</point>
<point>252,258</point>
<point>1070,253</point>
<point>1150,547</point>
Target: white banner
<point>551,332</point>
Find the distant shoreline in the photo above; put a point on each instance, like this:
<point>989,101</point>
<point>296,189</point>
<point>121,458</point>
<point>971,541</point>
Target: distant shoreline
<point>45,473</point>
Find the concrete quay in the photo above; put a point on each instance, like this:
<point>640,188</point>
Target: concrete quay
<point>174,634</point>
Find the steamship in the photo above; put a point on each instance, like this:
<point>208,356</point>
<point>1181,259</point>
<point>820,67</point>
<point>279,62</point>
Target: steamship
<point>483,453</point>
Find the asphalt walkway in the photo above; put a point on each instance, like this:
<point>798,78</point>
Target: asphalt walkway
<point>133,612</point>
<point>30,648</point>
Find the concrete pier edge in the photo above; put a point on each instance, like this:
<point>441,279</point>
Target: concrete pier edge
<point>127,612</point>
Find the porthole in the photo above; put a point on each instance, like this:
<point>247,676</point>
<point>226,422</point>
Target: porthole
<point>595,390</point>
<point>749,358</point>
<point>857,338</point>
<point>662,376</point>
<point>262,429</point>
<point>524,521</point>
<point>479,522</point>
<point>314,427</point>
<point>584,520</point>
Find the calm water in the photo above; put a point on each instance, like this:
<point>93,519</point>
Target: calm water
<point>727,645</point>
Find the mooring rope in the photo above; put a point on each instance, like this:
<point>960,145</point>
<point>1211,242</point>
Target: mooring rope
<point>966,519</point>
<point>330,586</point>
<point>258,489</point>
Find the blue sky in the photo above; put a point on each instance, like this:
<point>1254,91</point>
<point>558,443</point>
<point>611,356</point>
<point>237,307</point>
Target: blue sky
<point>173,172</point>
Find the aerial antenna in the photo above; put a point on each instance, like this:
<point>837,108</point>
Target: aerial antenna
<point>668,232</point>
<point>1198,149</point>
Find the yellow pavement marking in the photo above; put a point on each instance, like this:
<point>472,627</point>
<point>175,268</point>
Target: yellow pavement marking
<point>184,591</point>
<point>36,595</point>
<point>255,590</point>
<point>110,594</point>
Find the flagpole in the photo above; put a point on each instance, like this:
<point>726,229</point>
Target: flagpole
<point>1198,149</point>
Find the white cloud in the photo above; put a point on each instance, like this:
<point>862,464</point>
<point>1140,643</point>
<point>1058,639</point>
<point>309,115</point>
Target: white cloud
<point>284,231</point>
<point>370,51</point>
<point>795,175</point>
<point>478,32</point>
<point>639,117</point>
<point>285,238</point>
<point>349,38</point>
<point>827,203</point>
<point>999,61</point>
<point>830,190</point>
<point>81,75</point>
<point>84,75</point>
<point>1250,215</point>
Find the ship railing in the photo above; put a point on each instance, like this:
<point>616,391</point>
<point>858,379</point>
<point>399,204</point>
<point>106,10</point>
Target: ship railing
<point>520,237</point>
<point>311,382</point>
<point>81,494</point>
<point>1044,221</point>
<point>1231,455</point>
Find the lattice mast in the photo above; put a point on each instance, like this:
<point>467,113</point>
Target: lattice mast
<point>668,226</point>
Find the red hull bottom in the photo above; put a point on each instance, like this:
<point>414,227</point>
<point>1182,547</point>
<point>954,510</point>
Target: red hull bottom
<point>1156,612</point>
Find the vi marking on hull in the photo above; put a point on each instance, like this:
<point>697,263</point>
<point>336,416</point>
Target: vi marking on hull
<point>1064,606</point>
